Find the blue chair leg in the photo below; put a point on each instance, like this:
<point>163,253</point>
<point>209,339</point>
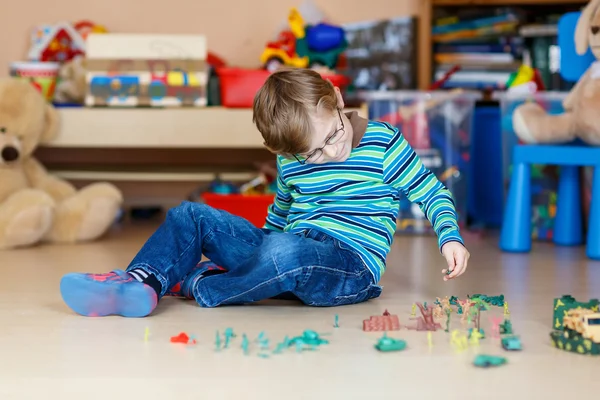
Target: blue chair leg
<point>593,238</point>
<point>515,235</point>
<point>568,228</point>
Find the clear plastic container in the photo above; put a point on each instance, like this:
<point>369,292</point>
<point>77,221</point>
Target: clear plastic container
<point>438,127</point>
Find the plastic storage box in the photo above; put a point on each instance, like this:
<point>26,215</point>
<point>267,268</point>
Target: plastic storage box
<point>239,85</point>
<point>254,208</point>
<point>438,127</point>
<point>544,178</point>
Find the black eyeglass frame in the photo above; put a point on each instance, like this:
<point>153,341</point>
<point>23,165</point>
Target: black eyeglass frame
<point>317,152</point>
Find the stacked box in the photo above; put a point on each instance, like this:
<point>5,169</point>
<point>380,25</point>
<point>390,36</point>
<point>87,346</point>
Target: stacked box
<point>438,127</point>
<point>544,178</point>
<point>138,70</point>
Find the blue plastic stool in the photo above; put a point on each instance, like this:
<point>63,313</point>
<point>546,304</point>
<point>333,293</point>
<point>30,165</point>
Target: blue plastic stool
<point>568,231</point>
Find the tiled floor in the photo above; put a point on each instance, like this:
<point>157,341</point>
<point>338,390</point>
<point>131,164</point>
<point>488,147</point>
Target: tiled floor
<point>47,352</point>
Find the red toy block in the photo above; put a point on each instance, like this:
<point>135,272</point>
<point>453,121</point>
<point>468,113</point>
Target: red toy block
<point>385,322</point>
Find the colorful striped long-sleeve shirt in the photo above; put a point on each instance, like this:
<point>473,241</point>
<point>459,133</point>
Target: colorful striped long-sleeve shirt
<point>357,201</point>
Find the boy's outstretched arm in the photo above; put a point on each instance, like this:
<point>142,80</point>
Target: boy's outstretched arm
<point>278,211</point>
<point>403,169</point>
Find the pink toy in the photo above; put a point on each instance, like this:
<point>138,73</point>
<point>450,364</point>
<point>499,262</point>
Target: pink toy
<point>495,321</point>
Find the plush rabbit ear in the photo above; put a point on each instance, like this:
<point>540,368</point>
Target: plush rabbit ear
<point>582,30</point>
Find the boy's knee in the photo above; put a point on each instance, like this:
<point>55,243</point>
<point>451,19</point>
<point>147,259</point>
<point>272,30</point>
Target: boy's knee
<point>189,209</point>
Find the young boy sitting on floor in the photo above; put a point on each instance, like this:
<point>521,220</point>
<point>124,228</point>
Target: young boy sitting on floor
<point>327,233</point>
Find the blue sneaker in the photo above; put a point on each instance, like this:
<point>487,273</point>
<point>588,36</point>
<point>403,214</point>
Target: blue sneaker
<point>113,293</point>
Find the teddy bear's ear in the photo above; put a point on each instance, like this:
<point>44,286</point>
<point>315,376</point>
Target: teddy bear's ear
<point>51,124</point>
<point>582,30</point>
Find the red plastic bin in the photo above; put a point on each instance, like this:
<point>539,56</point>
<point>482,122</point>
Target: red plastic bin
<point>254,208</point>
<point>239,85</point>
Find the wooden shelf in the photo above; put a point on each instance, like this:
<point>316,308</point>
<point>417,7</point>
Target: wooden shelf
<point>210,127</point>
<point>426,12</point>
<point>438,3</point>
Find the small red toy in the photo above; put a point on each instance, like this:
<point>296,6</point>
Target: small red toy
<point>182,338</point>
<point>385,322</point>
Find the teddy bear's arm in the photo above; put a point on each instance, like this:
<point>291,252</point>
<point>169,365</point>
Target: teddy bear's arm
<point>575,91</point>
<point>39,178</point>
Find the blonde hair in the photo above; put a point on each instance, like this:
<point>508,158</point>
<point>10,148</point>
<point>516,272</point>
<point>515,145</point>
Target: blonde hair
<point>284,105</point>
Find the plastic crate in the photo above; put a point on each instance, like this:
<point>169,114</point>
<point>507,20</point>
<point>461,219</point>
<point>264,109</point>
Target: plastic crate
<point>254,208</point>
<point>239,85</point>
<point>439,131</point>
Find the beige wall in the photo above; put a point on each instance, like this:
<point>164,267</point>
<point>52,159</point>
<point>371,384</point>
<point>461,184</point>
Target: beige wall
<point>236,29</point>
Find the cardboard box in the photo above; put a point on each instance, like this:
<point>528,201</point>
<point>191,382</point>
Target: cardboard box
<point>140,70</point>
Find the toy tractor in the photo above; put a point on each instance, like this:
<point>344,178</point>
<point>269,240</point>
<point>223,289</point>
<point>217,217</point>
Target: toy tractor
<point>305,46</point>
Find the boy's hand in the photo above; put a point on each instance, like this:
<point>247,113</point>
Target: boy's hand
<point>457,257</point>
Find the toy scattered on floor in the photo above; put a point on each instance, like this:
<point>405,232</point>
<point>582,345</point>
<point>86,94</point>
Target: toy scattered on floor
<point>495,321</point>
<point>429,339</point>
<point>475,336</point>
<point>479,305</point>
<point>464,309</point>
<point>485,361</point>
<point>387,344</point>
<point>506,327</point>
<point>146,334</point>
<point>458,340</point>
<point>497,301</point>
<point>511,343</point>
<point>566,303</point>
<point>336,321</point>
<point>218,341</point>
<point>580,332</point>
<point>506,312</point>
<point>479,332</point>
<point>309,339</point>
<point>385,322</point>
<point>183,338</point>
<point>448,313</point>
<point>413,313</point>
<point>426,321</point>
<point>245,344</point>
<point>263,341</point>
<point>228,336</point>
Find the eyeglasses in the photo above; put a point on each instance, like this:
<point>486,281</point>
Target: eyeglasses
<point>331,139</point>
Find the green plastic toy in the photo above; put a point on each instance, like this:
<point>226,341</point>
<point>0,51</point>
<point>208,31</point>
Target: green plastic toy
<point>386,344</point>
<point>566,303</point>
<point>511,343</point>
<point>572,341</point>
<point>506,327</point>
<point>485,361</point>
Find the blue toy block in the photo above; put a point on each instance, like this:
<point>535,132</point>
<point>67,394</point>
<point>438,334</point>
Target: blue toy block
<point>516,228</point>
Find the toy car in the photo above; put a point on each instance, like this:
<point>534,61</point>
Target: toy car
<point>485,361</point>
<point>511,343</point>
<point>390,344</point>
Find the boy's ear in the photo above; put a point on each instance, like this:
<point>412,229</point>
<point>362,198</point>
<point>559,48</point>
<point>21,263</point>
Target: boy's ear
<point>340,99</point>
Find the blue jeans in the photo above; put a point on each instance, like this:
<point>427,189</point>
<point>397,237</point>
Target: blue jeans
<point>317,269</point>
